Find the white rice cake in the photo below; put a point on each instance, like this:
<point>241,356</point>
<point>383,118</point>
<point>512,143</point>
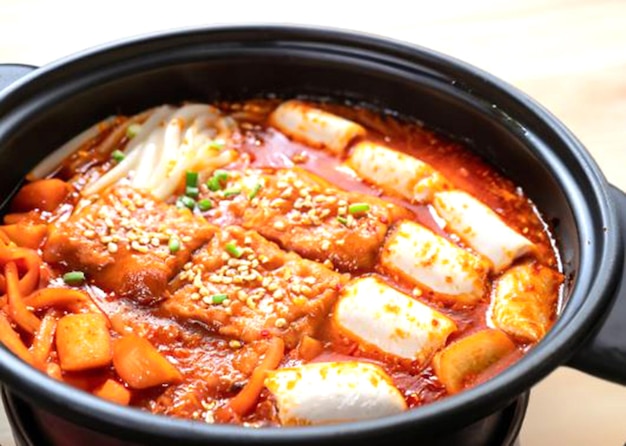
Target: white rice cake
<point>333,392</point>
<point>374,314</point>
<point>423,258</point>
<point>396,173</point>
<point>481,228</point>
<point>315,127</point>
<point>524,300</point>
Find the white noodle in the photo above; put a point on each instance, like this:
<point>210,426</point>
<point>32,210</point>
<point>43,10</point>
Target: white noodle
<point>170,143</point>
<point>52,161</point>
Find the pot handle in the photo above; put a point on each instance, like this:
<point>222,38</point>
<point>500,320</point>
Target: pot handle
<point>604,353</point>
<point>9,73</point>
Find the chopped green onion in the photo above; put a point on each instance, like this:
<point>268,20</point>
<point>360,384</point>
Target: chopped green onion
<point>255,191</point>
<point>133,130</point>
<point>216,145</point>
<point>118,156</point>
<point>219,298</point>
<point>358,208</point>
<point>205,205</point>
<point>232,192</point>
<point>192,192</point>
<point>191,179</point>
<point>173,244</point>
<point>217,181</point>
<point>221,175</point>
<point>342,220</point>
<point>74,278</point>
<point>234,250</point>
<point>213,184</point>
<point>185,202</point>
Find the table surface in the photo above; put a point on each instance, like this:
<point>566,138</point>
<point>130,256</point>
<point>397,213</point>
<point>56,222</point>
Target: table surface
<point>570,55</point>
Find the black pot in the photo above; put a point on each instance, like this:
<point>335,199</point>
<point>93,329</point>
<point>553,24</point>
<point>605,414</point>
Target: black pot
<point>530,146</point>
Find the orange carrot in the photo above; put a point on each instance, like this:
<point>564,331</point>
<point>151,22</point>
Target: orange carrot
<point>54,297</point>
<point>141,365</point>
<point>463,360</point>
<point>113,391</point>
<point>309,348</point>
<point>30,259</point>
<point>26,235</point>
<point>44,195</point>
<point>17,217</point>
<point>44,338</point>
<point>4,239</point>
<point>26,320</point>
<point>83,342</point>
<point>246,399</point>
<point>12,341</point>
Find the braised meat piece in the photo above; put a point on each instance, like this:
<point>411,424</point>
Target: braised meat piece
<point>127,242</point>
<point>304,213</point>
<point>244,287</point>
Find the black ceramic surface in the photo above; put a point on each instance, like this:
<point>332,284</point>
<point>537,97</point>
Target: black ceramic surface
<point>530,146</point>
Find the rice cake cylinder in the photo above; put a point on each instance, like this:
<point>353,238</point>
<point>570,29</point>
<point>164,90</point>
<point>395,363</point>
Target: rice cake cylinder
<point>524,298</point>
<point>396,173</point>
<point>333,392</point>
<point>425,259</point>
<point>314,127</point>
<point>381,318</point>
<point>481,228</point>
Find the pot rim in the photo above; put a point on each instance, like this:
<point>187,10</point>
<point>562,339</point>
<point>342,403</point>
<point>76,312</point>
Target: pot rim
<point>560,343</point>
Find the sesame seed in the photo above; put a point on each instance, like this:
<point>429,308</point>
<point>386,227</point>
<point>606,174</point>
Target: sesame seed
<point>106,239</point>
<point>89,233</point>
<point>234,344</point>
<point>108,222</point>
<point>155,242</point>
<point>280,225</point>
<point>281,322</point>
<point>112,248</point>
<point>325,245</point>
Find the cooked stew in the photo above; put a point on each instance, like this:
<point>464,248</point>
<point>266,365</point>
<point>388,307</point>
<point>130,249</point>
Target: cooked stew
<point>272,263</point>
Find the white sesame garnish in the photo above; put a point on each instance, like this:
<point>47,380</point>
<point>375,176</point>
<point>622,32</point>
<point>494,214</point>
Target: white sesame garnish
<point>112,247</point>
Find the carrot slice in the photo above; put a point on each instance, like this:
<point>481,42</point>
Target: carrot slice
<point>26,320</point>
<point>44,338</point>
<point>459,363</point>
<point>26,235</point>
<point>246,399</point>
<point>44,195</point>
<point>54,297</point>
<point>30,259</point>
<point>113,391</point>
<point>309,348</point>
<point>12,341</point>
<point>141,365</point>
<point>83,341</point>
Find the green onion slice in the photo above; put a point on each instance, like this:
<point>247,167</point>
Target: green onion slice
<point>185,202</point>
<point>205,205</point>
<point>342,220</point>
<point>118,156</point>
<point>191,179</point>
<point>192,192</point>
<point>74,277</point>
<point>219,298</point>
<point>216,145</point>
<point>173,244</point>
<point>232,192</point>
<point>358,208</point>
<point>255,191</point>
<point>233,250</point>
<point>133,130</point>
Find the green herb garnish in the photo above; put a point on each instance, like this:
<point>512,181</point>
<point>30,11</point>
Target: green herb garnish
<point>74,278</point>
